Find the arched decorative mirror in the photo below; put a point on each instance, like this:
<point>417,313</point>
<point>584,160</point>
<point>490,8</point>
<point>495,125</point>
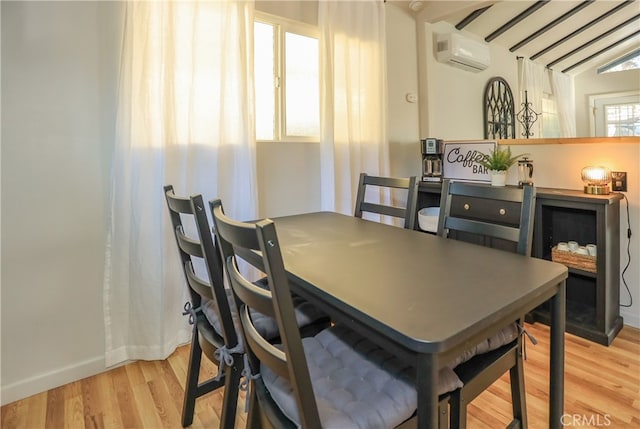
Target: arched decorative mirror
<point>499,117</point>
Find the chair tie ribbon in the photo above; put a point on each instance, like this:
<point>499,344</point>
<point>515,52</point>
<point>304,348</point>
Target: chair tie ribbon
<point>245,381</point>
<point>523,331</point>
<point>192,312</point>
<point>224,356</point>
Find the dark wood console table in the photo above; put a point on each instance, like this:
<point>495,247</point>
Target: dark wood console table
<point>593,298</point>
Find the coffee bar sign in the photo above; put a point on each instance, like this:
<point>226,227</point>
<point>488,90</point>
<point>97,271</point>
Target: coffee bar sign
<point>459,160</point>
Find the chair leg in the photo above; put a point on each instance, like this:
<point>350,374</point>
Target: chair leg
<point>230,399</point>
<point>191,388</point>
<point>518,395</point>
<point>254,419</point>
<point>458,410</point>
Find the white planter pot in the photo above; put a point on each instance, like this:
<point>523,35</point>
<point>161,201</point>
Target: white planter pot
<point>498,178</point>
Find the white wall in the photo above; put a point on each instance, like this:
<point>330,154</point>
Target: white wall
<point>58,101</point>
<point>288,178</point>
<point>454,97</point>
<point>402,76</point>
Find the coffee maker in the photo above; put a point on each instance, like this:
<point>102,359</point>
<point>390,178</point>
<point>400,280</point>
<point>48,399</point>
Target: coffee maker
<point>431,159</point>
<point>525,172</point>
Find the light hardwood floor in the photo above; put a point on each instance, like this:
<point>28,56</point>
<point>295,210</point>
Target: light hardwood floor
<point>602,389</point>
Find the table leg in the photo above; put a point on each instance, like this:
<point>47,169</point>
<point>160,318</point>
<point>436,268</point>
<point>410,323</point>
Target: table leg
<point>556,365</point>
<point>426,385</point>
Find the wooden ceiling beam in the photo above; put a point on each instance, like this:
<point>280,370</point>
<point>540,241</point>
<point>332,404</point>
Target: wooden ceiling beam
<point>581,29</point>
<point>601,51</point>
<point>550,25</point>
<point>469,18</point>
<point>537,5</point>
<point>591,42</point>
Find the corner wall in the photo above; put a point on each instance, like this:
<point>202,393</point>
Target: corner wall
<point>60,63</point>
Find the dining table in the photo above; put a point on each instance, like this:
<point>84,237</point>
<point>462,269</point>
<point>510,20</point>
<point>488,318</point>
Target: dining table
<point>423,297</point>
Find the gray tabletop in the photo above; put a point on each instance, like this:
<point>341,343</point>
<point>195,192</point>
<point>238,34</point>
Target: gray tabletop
<point>424,291</point>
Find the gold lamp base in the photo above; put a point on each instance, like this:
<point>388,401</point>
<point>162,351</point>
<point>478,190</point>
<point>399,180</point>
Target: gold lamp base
<point>596,189</point>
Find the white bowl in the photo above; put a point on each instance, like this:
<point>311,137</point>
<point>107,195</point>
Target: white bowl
<point>428,218</point>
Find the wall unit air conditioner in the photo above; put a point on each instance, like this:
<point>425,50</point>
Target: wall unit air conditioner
<point>462,52</point>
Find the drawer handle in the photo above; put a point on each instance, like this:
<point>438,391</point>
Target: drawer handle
<point>467,206</point>
<point>502,212</point>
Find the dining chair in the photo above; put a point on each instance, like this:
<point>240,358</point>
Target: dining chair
<point>407,213</point>
<point>216,328</point>
<point>208,308</point>
<point>335,379</point>
<point>498,217</point>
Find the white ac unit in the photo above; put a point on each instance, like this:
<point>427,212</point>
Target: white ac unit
<point>462,52</point>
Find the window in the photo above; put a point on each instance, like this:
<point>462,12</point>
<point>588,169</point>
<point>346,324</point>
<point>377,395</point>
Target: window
<point>623,120</point>
<point>616,115</point>
<point>287,80</point>
<point>550,119</point>
<point>629,61</point>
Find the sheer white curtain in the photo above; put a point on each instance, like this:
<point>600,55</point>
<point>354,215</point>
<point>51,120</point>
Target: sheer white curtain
<point>185,117</point>
<point>564,94</point>
<point>532,77</point>
<point>353,99</point>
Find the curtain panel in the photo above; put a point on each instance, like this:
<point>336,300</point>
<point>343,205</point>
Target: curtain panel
<point>185,117</point>
<point>537,81</point>
<point>564,92</point>
<point>353,76</point>
<point>533,79</point>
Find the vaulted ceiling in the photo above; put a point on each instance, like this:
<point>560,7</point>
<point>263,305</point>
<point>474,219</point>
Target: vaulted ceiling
<point>565,35</point>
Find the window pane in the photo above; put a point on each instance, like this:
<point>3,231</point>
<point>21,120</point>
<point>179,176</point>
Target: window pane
<point>302,86</point>
<point>550,119</point>
<point>264,76</point>
<point>623,120</point>
<point>630,61</point>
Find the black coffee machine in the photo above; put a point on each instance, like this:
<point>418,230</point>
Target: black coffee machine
<point>431,159</point>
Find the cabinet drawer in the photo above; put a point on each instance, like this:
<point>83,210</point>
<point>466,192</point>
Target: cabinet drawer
<point>503,212</point>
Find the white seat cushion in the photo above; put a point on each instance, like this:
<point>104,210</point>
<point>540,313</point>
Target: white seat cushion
<point>356,383</point>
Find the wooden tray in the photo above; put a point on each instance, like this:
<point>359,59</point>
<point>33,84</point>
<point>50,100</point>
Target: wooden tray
<point>574,260</point>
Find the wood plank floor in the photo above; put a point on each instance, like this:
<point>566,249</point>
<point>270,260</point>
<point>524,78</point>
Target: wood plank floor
<point>602,390</point>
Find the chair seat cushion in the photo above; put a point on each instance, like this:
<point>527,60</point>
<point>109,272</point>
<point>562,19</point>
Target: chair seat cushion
<point>306,314</point>
<point>356,383</point>
<point>499,339</point>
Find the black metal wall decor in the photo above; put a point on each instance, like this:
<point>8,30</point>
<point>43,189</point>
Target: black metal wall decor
<point>527,116</point>
<point>499,120</point>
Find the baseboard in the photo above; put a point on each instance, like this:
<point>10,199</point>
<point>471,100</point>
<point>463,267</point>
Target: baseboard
<point>630,317</point>
<point>49,380</point>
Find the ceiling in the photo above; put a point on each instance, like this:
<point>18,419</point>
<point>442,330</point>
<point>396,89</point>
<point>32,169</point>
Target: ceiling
<point>579,34</point>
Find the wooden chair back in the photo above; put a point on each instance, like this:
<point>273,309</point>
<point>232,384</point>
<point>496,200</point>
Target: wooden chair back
<point>408,213</point>
<point>202,247</point>
<point>207,295</point>
<point>500,217</point>
<point>289,360</point>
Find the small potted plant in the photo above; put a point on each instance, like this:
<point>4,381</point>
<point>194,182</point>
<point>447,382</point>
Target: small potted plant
<point>498,162</point>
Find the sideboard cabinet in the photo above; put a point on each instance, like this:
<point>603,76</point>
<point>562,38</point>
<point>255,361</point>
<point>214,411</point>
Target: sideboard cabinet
<point>593,294</point>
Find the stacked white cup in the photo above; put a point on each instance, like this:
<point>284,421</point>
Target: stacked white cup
<point>575,247</point>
